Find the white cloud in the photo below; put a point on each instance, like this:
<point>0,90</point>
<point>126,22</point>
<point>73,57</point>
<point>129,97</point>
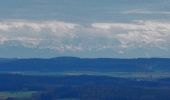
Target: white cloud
<point>53,26</point>
<point>139,34</point>
<point>64,36</point>
<point>34,33</point>
<point>142,11</point>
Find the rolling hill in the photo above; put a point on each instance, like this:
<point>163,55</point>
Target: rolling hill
<point>60,64</point>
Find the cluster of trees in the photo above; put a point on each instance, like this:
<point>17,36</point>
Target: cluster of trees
<point>85,87</point>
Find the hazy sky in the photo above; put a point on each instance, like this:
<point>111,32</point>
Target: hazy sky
<point>84,28</point>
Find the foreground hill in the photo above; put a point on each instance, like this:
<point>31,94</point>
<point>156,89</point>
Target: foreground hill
<point>23,87</point>
<point>66,64</point>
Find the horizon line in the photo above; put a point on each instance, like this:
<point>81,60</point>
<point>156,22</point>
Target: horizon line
<point>84,57</point>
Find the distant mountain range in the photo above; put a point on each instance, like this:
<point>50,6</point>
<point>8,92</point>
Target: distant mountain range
<point>61,64</point>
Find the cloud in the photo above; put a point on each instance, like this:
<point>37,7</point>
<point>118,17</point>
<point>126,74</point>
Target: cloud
<point>33,33</point>
<point>139,34</point>
<point>142,11</point>
<point>64,36</point>
<point>52,26</point>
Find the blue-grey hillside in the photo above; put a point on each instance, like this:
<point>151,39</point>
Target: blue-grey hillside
<point>86,64</point>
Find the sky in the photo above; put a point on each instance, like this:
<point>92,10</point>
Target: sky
<point>85,28</point>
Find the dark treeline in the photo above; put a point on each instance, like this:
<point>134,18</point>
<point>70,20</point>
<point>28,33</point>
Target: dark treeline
<point>86,87</point>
